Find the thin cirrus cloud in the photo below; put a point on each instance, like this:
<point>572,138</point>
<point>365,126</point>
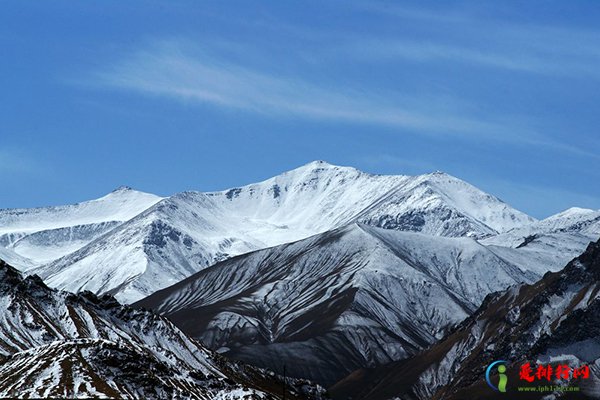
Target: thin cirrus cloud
<point>172,71</point>
<point>533,59</point>
<point>427,51</point>
<point>565,51</point>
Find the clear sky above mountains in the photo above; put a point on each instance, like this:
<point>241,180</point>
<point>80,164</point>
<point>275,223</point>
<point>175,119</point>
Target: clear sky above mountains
<point>168,96</point>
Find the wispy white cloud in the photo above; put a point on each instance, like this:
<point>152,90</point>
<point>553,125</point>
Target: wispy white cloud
<point>191,75</point>
<point>426,51</point>
<point>174,70</point>
<point>526,57</point>
<point>459,35</point>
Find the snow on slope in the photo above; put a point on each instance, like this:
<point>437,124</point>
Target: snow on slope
<point>574,221</point>
<point>318,197</point>
<point>57,344</point>
<point>168,242</point>
<point>354,297</point>
<point>180,235</point>
<point>555,321</point>
<point>45,234</point>
<point>119,205</point>
<point>442,205</point>
<point>315,198</point>
<point>549,244</point>
<point>14,259</point>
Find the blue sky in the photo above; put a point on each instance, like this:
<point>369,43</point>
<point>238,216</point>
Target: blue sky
<point>168,96</point>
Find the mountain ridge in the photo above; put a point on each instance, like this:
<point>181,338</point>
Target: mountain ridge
<point>554,320</point>
<point>176,236</point>
<point>359,295</point>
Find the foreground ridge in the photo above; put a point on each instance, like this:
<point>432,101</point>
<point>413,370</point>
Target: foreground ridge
<point>57,344</point>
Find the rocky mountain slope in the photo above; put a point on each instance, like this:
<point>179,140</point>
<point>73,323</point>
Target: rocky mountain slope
<point>354,297</point>
<point>554,321</point>
<point>57,344</point>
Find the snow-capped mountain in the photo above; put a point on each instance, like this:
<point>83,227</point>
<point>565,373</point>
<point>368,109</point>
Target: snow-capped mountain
<point>552,242</point>
<point>58,344</point>
<point>324,268</point>
<point>318,197</point>
<point>45,234</point>
<point>357,296</point>
<point>169,239</point>
<point>574,222</point>
<point>554,321</point>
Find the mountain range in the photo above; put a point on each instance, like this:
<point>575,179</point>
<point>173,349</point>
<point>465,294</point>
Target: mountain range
<point>342,276</point>
<point>350,298</point>
<point>131,244</point>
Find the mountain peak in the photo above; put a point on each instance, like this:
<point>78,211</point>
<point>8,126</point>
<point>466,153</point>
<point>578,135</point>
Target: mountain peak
<point>9,274</point>
<point>122,188</point>
<point>318,167</point>
<point>440,173</point>
<point>194,229</point>
<point>318,164</point>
